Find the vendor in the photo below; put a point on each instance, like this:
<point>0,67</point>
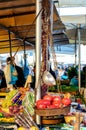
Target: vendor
<point>74,81</point>
<point>2,80</point>
<point>13,74</point>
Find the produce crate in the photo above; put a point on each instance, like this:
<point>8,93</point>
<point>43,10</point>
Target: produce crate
<point>52,112</point>
<point>52,120</point>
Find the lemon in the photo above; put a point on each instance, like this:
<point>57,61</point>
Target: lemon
<point>21,128</point>
<point>33,128</point>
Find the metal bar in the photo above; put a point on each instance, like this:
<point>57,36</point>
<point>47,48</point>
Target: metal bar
<point>25,26</point>
<point>18,14</point>
<point>12,47</point>
<point>10,44</point>
<point>16,35</point>
<point>79,57</point>
<point>60,40</point>
<point>24,55</point>
<point>6,1</point>
<point>14,40</point>
<point>75,47</point>
<point>38,54</point>
<point>18,6</point>
<point>30,37</point>
<point>8,40</point>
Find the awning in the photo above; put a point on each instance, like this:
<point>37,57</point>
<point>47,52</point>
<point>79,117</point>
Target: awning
<point>17,24</point>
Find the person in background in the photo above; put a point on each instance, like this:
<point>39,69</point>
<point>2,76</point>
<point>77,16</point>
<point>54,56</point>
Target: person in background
<point>21,80</point>
<point>60,72</point>
<point>74,81</point>
<point>14,74</point>
<point>33,78</point>
<point>3,84</point>
<point>56,73</point>
<point>64,76</point>
<point>83,77</point>
<point>52,72</point>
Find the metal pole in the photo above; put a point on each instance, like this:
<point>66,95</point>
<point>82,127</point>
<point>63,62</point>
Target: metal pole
<point>24,54</point>
<point>38,55</point>
<point>75,47</point>
<point>10,44</point>
<point>79,58</point>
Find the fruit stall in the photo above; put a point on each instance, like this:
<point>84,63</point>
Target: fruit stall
<point>51,108</point>
<point>24,108</point>
<point>18,110</point>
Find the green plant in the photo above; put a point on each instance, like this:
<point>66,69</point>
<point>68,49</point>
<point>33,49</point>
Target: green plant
<point>72,72</point>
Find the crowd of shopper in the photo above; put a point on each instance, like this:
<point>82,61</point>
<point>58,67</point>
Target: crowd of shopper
<point>17,78</point>
<point>71,73</point>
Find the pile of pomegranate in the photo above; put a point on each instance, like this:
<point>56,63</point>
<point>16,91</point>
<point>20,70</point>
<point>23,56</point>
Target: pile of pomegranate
<point>49,101</point>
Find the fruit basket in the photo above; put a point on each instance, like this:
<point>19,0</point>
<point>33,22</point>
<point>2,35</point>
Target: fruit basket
<point>52,112</point>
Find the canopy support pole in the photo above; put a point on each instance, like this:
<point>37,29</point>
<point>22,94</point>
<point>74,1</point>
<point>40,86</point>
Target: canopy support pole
<point>75,48</point>
<point>38,55</point>
<point>24,54</point>
<point>79,57</point>
<point>10,44</point>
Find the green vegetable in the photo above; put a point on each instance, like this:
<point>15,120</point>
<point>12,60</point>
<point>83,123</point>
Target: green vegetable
<point>1,115</point>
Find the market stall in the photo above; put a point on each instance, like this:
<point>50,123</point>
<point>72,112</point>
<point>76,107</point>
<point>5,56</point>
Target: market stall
<point>25,108</point>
